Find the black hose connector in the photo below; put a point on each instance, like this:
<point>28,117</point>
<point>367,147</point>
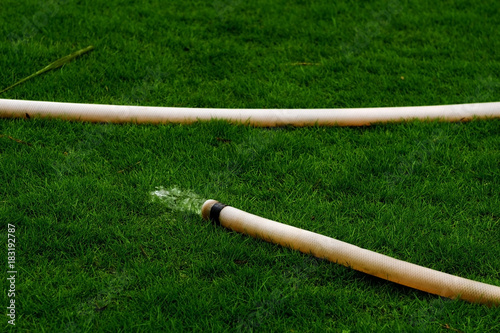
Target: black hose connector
<point>215,212</point>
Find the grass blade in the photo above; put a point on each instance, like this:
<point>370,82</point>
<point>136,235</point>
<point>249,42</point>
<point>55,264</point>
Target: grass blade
<point>56,64</point>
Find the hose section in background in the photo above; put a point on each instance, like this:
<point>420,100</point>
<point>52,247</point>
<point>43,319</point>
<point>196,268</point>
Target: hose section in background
<point>256,117</point>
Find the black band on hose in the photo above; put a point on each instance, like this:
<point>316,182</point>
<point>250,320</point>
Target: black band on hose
<point>215,212</point>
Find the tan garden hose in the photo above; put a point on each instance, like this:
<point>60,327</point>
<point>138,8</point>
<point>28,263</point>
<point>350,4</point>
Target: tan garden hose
<point>365,261</point>
<point>256,117</point>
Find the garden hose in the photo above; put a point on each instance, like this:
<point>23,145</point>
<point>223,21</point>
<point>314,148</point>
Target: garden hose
<point>379,265</point>
<point>256,117</point>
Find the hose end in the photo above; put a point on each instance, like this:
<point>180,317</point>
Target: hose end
<point>206,208</point>
<point>211,210</point>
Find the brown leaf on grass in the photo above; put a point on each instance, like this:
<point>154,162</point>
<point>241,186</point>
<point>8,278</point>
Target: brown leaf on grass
<point>14,139</point>
<point>222,140</point>
<point>448,327</point>
<point>143,252</point>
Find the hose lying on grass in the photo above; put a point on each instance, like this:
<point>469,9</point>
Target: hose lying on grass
<point>365,261</point>
<point>256,117</point>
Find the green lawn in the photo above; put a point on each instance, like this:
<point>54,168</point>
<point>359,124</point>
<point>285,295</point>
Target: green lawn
<point>96,252</point>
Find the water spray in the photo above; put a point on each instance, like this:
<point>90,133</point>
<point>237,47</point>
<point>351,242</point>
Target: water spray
<point>178,199</point>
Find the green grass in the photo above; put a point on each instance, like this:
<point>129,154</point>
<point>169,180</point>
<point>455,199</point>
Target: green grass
<point>96,253</point>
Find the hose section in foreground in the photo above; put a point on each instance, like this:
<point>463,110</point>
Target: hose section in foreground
<point>349,255</point>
